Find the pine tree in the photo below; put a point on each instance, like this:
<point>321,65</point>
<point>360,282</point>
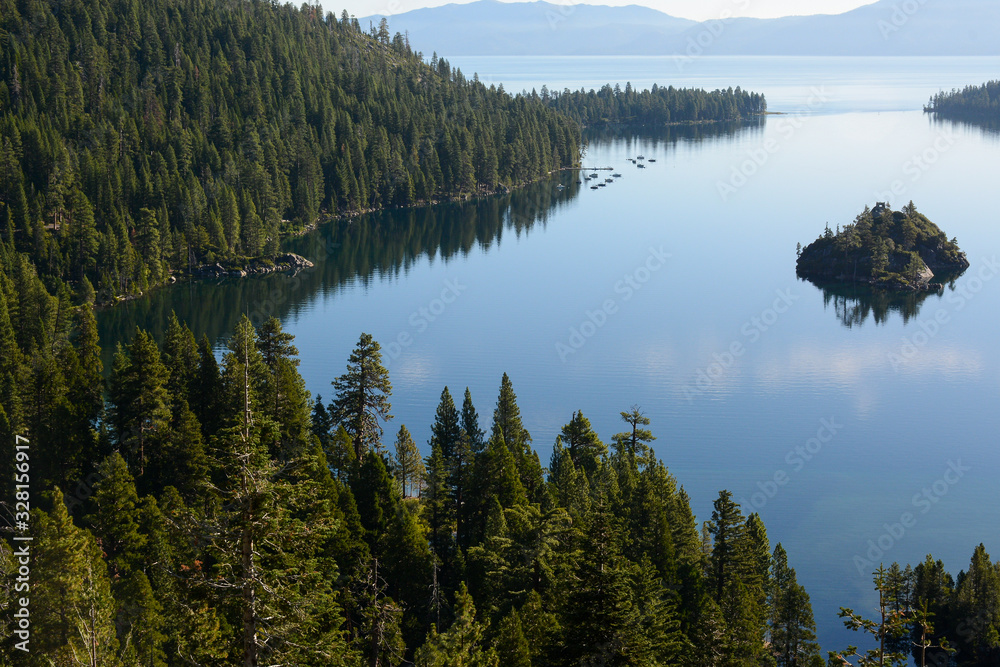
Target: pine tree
<point>180,357</point>
<point>72,608</point>
<point>408,468</point>
<point>462,644</point>
<point>755,575</point>
<point>460,471</point>
<point>340,453</point>
<point>115,520</point>
<point>438,506</point>
<point>490,562</point>
<point>887,626</point>
<point>376,498</point>
<point>363,397</point>
<point>379,640</point>
<point>208,389</point>
<point>285,399</point>
<point>898,593</point>
<point>978,597</point>
<point>600,618</point>
<point>584,446</point>
<point>322,424</point>
<point>44,398</point>
<point>793,631</point>
<point>727,530</point>
<point>265,538</point>
<point>632,443</point>
<point>446,430</point>
<point>183,462</point>
<point>573,489</point>
<point>139,412</point>
<point>470,423</point>
<point>507,424</point>
<point>665,643</point>
<point>934,590</point>
<point>87,386</point>
<point>495,476</point>
<point>511,642</point>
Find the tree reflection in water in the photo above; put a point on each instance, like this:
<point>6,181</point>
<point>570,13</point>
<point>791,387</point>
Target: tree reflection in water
<point>854,303</point>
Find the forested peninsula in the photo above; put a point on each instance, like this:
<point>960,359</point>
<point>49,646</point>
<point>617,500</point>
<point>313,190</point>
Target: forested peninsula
<point>974,104</point>
<point>657,106</point>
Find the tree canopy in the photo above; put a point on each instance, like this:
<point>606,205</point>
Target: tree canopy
<point>142,138</point>
<point>259,533</point>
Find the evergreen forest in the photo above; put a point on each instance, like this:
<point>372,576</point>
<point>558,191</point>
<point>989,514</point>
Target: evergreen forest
<point>142,140</point>
<point>658,106</point>
<point>195,505</point>
<point>198,510</point>
<point>976,104</point>
<point>210,511</point>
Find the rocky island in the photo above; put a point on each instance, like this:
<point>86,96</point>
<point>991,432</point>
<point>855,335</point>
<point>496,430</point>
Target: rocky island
<point>889,250</point>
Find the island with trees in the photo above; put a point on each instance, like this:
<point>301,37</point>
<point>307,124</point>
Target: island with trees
<point>889,250</point>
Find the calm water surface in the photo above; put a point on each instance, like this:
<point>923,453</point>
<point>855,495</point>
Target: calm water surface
<point>860,402</point>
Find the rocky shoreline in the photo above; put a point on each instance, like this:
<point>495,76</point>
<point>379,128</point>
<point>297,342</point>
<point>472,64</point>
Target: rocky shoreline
<point>284,262</point>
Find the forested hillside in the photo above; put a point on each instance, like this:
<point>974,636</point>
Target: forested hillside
<point>980,104</point>
<point>656,106</point>
<point>138,138</point>
<point>213,513</point>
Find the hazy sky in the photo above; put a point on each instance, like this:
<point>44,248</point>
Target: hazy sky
<point>699,10</point>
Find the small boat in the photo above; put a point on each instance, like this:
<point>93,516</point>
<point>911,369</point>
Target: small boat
<point>594,175</point>
<point>560,187</point>
<point>642,166</point>
<point>641,157</point>
<point>593,187</point>
<point>651,160</point>
<point>617,175</point>
<point>609,180</point>
<point>579,182</point>
<point>602,185</point>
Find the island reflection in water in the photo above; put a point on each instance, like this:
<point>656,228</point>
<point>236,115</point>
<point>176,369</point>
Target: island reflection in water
<point>854,303</point>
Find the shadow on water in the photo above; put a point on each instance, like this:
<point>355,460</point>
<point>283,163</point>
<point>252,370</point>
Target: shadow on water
<point>366,248</point>
<point>853,304</point>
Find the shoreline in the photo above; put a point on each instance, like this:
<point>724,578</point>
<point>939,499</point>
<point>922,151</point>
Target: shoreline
<point>259,265</point>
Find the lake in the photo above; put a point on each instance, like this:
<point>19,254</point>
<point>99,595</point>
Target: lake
<point>674,288</point>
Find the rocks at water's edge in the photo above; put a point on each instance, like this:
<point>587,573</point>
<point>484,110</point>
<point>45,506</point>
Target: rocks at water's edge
<point>285,262</point>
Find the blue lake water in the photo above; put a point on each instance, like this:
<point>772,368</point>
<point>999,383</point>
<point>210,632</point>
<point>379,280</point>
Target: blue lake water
<point>674,288</point>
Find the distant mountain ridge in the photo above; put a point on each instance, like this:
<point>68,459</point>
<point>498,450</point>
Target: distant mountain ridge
<point>884,28</point>
<point>490,27</point>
